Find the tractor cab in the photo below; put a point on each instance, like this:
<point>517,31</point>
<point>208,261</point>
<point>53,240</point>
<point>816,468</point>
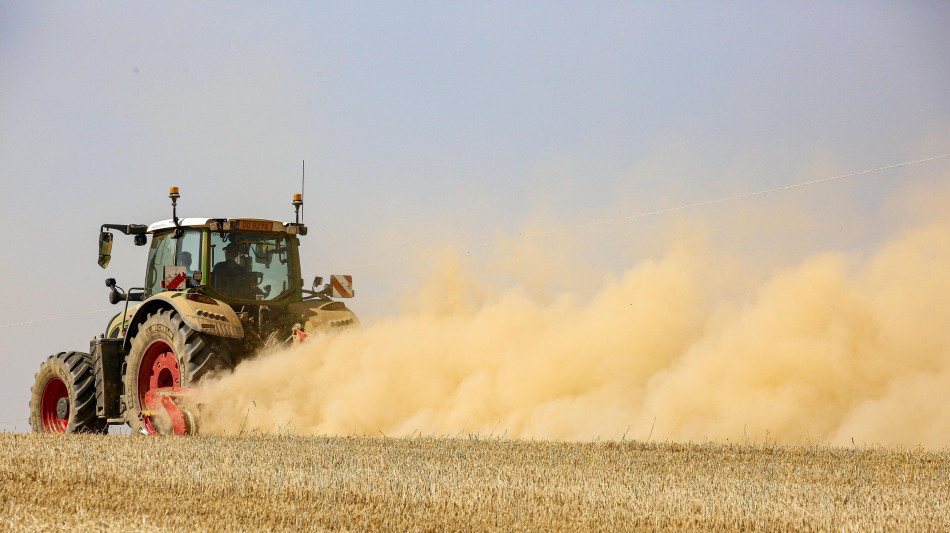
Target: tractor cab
<point>254,263</point>
<point>249,265</point>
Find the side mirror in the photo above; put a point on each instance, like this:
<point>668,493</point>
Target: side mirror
<point>105,248</point>
<point>140,240</point>
<point>317,281</point>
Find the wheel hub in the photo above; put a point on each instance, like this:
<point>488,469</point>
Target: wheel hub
<point>165,372</point>
<point>62,408</point>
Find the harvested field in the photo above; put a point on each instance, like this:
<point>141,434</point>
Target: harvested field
<point>290,483</point>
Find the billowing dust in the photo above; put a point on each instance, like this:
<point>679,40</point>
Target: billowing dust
<point>687,346</point>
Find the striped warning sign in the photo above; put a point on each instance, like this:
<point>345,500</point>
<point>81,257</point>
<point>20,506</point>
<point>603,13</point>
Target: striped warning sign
<point>174,277</point>
<point>341,286</point>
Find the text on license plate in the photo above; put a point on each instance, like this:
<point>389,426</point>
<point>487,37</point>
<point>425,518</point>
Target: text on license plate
<point>254,225</point>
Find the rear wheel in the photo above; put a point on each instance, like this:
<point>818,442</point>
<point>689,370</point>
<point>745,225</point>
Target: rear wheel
<point>165,353</point>
<point>63,398</point>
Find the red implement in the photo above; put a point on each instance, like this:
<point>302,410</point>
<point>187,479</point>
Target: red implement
<point>299,335</point>
<point>164,415</point>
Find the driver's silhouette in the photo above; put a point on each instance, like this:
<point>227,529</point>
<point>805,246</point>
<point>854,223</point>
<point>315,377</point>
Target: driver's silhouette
<point>227,273</point>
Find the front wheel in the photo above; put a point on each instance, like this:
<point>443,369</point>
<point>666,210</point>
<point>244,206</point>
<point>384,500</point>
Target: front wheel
<point>63,398</point>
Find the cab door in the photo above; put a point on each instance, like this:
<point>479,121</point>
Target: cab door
<point>160,255</point>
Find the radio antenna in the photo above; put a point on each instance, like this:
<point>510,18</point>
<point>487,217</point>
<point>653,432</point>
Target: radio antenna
<point>303,178</point>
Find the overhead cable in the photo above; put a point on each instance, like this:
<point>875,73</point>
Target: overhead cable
<point>60,317</point>
<point>641,215</point>
<point>574,228</point>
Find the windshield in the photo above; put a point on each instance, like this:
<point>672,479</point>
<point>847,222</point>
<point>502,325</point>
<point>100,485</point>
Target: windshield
<point>251,266</point>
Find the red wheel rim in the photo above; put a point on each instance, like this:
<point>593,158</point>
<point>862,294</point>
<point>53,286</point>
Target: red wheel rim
<point>159,369</point>
<point>53,392</point>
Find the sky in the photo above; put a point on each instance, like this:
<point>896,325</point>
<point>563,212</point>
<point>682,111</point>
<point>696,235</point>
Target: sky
<point>433,126</point>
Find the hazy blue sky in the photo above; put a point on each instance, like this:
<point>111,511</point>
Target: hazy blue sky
<point>435,124</point>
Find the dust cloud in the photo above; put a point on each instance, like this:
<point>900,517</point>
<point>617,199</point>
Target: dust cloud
<point>690,345</point>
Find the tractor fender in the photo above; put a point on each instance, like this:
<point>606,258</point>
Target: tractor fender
<point>201,313</point>
<point>322,316</point>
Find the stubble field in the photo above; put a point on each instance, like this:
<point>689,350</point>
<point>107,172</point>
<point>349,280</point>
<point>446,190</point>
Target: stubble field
<point>292,483</point>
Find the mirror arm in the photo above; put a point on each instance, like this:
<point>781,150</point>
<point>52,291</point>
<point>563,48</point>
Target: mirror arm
<point>128,229</point>
<point>323,294</point>
<point>118,295</point>
<point>136,296</point>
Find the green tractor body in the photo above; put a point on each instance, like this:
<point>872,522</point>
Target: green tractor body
<point>216,292</point>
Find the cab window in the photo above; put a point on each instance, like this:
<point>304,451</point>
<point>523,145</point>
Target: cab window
<point>189,252</point>
<point>160,255</point>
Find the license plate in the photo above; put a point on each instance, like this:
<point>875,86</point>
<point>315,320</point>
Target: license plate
<point>254,225</point>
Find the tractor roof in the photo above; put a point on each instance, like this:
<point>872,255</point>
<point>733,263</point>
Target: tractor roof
<point>218,224</point>
<point>251,224</point>
<point>185,222</point>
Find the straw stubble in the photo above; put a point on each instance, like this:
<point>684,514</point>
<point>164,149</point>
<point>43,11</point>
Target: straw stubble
<point>285,482</point>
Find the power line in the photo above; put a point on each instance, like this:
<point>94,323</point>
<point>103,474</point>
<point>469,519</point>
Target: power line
<point>574,228</point>
<point>60,317</point>
<point>643,215</point>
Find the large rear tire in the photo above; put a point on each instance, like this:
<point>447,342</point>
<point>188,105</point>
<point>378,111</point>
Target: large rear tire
<point>165,352</point>
<point>63,398</point>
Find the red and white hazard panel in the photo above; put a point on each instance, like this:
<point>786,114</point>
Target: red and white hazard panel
<point>175,277</point>
<point>341,286</point>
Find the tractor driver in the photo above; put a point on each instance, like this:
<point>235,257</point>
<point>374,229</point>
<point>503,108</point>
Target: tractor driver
<point>185,259</point>
<point>227,273</point>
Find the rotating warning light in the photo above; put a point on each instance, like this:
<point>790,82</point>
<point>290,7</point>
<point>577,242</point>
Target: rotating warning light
<point>298,203</point>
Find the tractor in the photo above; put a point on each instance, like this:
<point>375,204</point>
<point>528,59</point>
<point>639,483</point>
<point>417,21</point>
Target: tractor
<point>217,291</point>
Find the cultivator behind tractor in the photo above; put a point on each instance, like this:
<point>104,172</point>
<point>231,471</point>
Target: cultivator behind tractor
<point>216,291</point>
<point>166,412</point>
